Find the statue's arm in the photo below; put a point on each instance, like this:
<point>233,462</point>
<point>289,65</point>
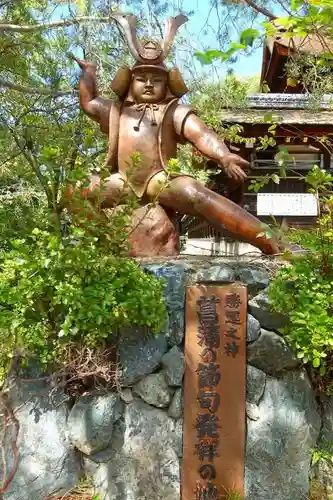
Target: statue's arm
<point>93,105</point>
<point>210,145</point>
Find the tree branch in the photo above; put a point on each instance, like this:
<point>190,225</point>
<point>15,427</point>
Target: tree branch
<point>261,10</point>
<point>285,8</point>
<point>63,23</point>
<point>9,420</point>
<point>28,154</point>
<point>36,90</point>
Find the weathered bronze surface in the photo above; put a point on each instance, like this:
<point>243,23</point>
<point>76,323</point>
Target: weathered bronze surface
<point>147,118</point>
<point>214,392</point>
<point>153,233</point>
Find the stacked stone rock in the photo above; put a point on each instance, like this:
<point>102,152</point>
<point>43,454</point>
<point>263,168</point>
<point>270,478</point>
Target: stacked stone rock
<point>130,443</point>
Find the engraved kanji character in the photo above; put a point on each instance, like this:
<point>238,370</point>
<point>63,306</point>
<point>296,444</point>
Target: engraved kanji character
<point>209,401</point>
<point>207,472</point>
<point>233,317</point>
<point>231,333</point>
<point>232,300</point>
<point>231,349</point>
<point>209,335</point>
<point>206,450</point>
<point>207,425</point>
<point>208,355</point>
<point>209,492</point>
<point>209,375</point>
<point>207,306</point>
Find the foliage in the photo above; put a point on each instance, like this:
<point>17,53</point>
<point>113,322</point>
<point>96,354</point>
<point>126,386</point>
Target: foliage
<point>57,280</point>
<point>305,295</point>
<point>232,495</point>
<point>312,72</point>
<point>302,19</point>
<point>304,288</point>
<point>22,207</point>
<point>210,98</point>
<point>83,491</point>
<point>322,454</point>
<point>317,490</point>
<point>59,289</point>
<point>245,41</point>
<point>191,162</point>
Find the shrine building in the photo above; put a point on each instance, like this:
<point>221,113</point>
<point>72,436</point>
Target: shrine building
<point>302,134</point>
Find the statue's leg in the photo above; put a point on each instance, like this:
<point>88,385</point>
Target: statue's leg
<point>97,195</point>
<point>102,194</point>
<point>189,196</point>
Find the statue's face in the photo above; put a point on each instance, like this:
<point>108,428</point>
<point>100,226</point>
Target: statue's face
<point>150,86</point>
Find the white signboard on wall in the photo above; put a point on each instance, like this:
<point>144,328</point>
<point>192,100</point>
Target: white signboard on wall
<point>296,204</point>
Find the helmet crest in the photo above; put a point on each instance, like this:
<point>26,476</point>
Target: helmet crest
<point>149,52</point>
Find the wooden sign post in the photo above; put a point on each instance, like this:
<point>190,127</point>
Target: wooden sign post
<point>214,399</point>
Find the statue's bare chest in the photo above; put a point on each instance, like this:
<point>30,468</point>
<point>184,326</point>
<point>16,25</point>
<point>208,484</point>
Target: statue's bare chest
<point>138,128</point>
<point>138,133</point>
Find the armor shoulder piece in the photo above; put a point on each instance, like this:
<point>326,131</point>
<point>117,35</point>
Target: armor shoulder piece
<point>181,112</point>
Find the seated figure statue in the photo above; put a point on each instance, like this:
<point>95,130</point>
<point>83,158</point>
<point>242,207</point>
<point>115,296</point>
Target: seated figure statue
<point>147,118</point>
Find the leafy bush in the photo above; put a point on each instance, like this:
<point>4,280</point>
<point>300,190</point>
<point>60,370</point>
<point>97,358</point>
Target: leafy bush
<point>211,99</point>
<point>22,207</point>
<point>304,288</point>
<point>55,290</point>
<point>306,295</point>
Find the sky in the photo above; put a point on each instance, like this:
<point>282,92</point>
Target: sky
<point>246,66</point>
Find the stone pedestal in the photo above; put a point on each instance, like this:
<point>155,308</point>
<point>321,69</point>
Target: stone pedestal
<point>153,233</point>
<point>139,456</point>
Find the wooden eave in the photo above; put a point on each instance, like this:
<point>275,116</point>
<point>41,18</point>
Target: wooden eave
<point>280,116</point>
<point>276,52</point>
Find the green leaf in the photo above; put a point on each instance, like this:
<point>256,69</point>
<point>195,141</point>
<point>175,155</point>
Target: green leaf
<point>275,178</point>
<point>281,157</point>
<point>316,362</point>
<point>282,173</point>
<point>264,88</point>
<point>209,56</point>
<point>203,58</point>
<point>323,370</point>
<point>268,117</point>
<point>237,46</point>
<point>283,21</point>
<point>295,4</point>
<point>272,128</point>
<point>292,82</point>
<point>248,37</point>
<point>327,55</point>
<point>269,234</point>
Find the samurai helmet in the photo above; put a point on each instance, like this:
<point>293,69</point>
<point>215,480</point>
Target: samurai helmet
<point>149,54</point>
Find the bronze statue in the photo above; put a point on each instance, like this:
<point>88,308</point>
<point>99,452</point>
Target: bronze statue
<point>147,118</point>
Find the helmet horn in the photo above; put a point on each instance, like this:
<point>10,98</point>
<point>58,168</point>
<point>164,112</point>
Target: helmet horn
<point>128,22</point>
<point>172,24</point>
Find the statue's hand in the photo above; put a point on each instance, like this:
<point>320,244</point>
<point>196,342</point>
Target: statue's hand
<point>234,166</point>
<point>84,64</point>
